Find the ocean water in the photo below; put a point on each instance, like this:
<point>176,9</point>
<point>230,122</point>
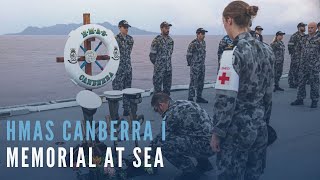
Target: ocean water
<point>29,72</point>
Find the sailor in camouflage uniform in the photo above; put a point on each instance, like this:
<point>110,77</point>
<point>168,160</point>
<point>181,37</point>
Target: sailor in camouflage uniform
<point>123,77</point>
<point>318,26</point>
<point>295,48</point>
<point>243,101</point>
<point>257,33</point>
<point>196,56</point>
<point>160,56</point>
<point>309,67</point>
<point>225,44</point>
<point>278,48</point>
<point>187,134</point>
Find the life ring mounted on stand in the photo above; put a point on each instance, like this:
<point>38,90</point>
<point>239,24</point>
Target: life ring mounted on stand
<point>72,47</point>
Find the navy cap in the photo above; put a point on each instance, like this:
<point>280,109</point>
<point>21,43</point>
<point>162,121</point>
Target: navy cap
<point>301,24</point>
<point>258,28</point>
<point>124,23</point>
<point>280,33</point>
<point>165,24</point>
<point>201,30</point>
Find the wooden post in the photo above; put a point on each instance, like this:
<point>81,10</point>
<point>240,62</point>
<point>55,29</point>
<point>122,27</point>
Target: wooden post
<point>87,43</point>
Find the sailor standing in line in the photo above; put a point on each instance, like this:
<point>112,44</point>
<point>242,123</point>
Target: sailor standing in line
<point>309,67</point>
<point>160,56</point>
<point>123,78</point>
<point>295,47</point>
<point>278,48</point>
<point>196,56</point>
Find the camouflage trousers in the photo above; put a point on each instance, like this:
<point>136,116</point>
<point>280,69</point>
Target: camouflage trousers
<point>306,74</point>
<point>278,69</point>
<point>182,151</point>
<point>162,80</point>
<point>197,75</point>
<point>242,159</point>
<point>122,81</point>
<point>293,77</point>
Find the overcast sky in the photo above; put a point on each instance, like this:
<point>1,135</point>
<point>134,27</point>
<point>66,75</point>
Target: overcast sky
<point>185,15</point>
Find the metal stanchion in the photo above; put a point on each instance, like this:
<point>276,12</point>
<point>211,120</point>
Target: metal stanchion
<point>113,98</point>
<point>135,98</point>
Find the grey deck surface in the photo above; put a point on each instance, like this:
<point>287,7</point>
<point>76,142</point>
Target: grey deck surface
<point>294,156</point>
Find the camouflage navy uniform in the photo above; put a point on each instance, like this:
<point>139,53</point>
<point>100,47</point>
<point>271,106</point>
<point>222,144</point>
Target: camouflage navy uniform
<point>160,55</point>
<point>225,43</point>
<point>123,77</point>
<point>295,48</point>
<point>278,48</point>
<point>309,67</point>
<point>241,117</point>
<point>196,56</point>
<point>188,133</point>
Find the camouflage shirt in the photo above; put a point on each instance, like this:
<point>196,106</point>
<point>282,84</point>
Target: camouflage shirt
<point>294,45</point>
<point>125,44</point>
<point>278,48</point>
<point>161,52</point>
<point>225,43</point>
<point>185,118</point>
<point>241,113</point>
<point>311,52</point>
<point>196,53</point>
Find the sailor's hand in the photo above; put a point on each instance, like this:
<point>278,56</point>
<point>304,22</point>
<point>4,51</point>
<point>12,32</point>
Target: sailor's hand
<point>215,143</point>
<point>188,62</point>
<point>152,57</point>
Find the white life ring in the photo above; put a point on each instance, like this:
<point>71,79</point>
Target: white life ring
<point>76,38</point>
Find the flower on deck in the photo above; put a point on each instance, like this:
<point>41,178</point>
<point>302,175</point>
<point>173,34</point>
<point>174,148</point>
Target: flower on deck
<point>149,170</point>
<point>96,160</point>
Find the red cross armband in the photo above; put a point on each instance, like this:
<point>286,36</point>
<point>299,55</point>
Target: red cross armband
<point>228,78</point>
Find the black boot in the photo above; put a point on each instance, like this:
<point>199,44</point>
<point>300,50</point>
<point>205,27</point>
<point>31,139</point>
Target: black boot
<point>201,100</point>
<point>126,113</point>
<point>314,104</point>
<point>297,102</point>
<point>190,99</point>
<point>277,88</point>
